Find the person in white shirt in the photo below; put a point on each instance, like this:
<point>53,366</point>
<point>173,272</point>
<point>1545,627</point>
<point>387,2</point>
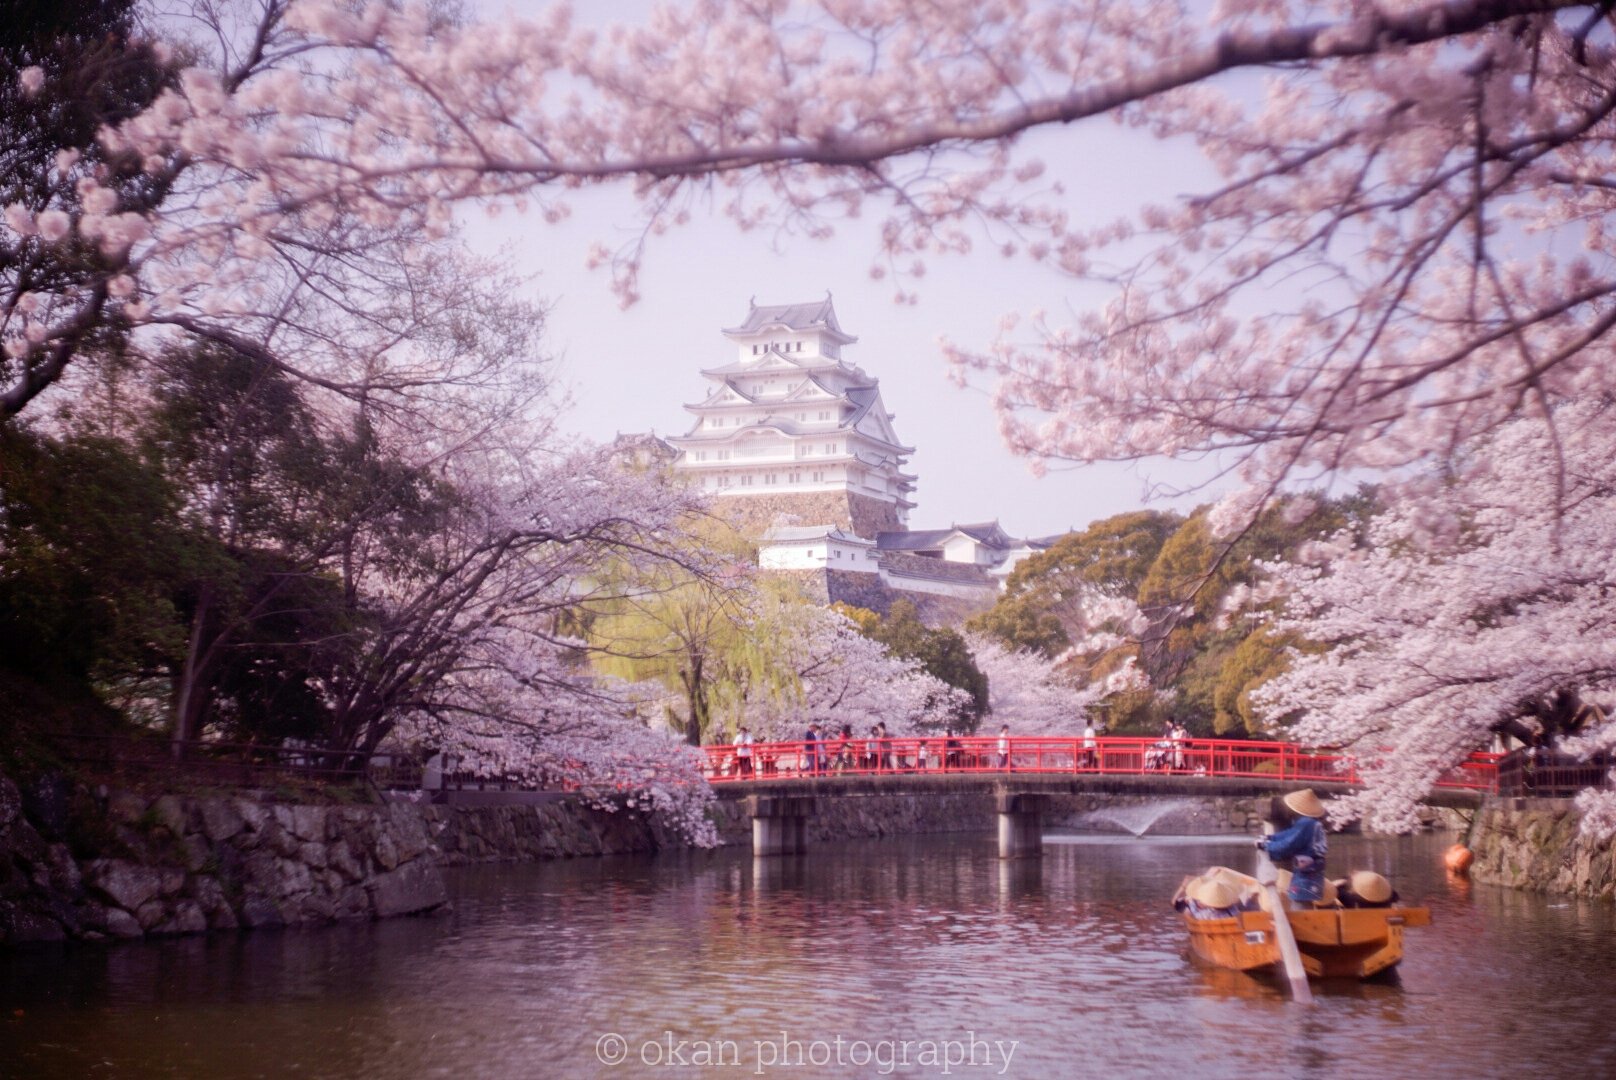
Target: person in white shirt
<point>743,752</point>
<point>1004,747</point>
<point>1090,746</point>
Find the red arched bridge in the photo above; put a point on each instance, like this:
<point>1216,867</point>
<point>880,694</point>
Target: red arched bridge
<point>1103,756</point>
<point>781,780</point>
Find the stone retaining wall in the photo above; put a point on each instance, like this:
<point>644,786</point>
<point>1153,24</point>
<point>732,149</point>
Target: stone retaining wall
<point>181,865</point>
<point>1537,844</point>
<point>178,865</point>
<point>860,514</point>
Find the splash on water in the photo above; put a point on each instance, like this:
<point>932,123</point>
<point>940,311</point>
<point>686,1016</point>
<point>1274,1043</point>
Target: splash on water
<point>1137,820</point>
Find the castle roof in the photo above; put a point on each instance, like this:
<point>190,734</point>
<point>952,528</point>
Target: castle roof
<point>777,361</point>
<point>785,534</point>
<point>986,533</point>
<point>818,315</point>
<point>775,423</point>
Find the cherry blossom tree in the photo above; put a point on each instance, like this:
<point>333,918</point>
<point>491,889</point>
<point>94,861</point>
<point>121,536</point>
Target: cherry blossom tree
<point>1037,695</point>
<point>1405,255</point>
<point>827,671</point>
<point>597,736</point>
<point>1478,608</point>
<point>1389,158</point>
<point>472,648</point>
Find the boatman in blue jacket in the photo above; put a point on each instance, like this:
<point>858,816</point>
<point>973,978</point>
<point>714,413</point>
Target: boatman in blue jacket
<point>1303,844</point>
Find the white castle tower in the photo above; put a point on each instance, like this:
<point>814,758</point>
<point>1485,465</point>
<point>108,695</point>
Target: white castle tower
<point>795,434</point>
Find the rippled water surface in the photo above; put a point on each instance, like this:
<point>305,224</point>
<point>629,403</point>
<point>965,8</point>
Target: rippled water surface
<point>1072,965</point>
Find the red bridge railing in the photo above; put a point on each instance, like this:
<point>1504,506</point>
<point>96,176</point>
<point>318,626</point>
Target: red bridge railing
<point>1105,755</point>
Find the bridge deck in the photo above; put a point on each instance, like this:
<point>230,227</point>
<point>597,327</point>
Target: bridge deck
<point>873,765</point>
<point>939,783</point>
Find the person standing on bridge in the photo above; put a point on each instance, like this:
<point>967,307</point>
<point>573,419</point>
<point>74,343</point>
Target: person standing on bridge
<point>743,752</point>
<point>844,749</point>
<point>1304,844</point>
<point>1004,747</point>
<point>1090,746</point>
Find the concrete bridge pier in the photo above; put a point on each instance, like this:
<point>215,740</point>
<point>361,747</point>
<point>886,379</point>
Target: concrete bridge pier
<point>780,823</point>
<point>1021,824</point>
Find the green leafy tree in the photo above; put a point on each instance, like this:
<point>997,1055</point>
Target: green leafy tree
<point>686,628</point>
<point>1258,657</point>
<point>1196,649</point>
<point>1042,606</point>
<point>240,443</point>
<point>95,554</point>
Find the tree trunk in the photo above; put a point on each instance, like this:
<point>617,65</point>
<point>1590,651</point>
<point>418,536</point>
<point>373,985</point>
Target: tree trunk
<point>696,700</point>
<point>190,695</point>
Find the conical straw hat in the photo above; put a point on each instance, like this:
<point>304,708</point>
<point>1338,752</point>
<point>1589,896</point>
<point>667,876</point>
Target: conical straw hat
<point>1304,802</point>
<point>1212,893</point>
<point>1371,886</point>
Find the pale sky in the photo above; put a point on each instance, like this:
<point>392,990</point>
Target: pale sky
<point>633,370</point>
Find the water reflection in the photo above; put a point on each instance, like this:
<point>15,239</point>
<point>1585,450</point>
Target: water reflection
<point>1074,957</point>
<point>1019,880</point>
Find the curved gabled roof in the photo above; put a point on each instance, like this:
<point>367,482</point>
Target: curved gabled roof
<point>818,315</point>
<point>719,391</point>
<point>868,398</point>
<point>803,362</point>
<point>773,423</point>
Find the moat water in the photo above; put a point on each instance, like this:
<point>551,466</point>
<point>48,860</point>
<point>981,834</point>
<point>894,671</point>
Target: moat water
<point>825,966</point>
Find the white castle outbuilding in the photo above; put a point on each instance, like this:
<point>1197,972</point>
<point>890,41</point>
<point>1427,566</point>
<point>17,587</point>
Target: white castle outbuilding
<point>796,442</point>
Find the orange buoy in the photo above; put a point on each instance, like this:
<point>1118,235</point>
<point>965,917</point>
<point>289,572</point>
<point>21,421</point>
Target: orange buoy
<point>1458,859</point>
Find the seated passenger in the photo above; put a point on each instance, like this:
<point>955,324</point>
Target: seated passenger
<point>1366,889</point>
<point>1329,898</point>
<point>1208,899</point>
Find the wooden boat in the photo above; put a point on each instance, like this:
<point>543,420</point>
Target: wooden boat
<point>1334,942</point>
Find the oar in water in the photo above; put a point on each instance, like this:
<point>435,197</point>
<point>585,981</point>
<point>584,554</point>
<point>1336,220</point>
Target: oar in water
<point>1268,878</point>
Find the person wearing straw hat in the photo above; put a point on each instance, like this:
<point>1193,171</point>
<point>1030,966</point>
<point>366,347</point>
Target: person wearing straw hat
<point>1208,897</point>
<point>1366,889</point>
<point>1303,844</point>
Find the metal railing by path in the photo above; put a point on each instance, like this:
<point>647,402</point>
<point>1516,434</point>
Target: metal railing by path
<point>1552,774</point>
<point>1104,755</point>
<point>229,764</point>
<point>256,765</point>
<point>152,757</point>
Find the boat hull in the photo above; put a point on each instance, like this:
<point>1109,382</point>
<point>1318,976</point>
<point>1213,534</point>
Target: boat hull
<point>1340,943</point>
